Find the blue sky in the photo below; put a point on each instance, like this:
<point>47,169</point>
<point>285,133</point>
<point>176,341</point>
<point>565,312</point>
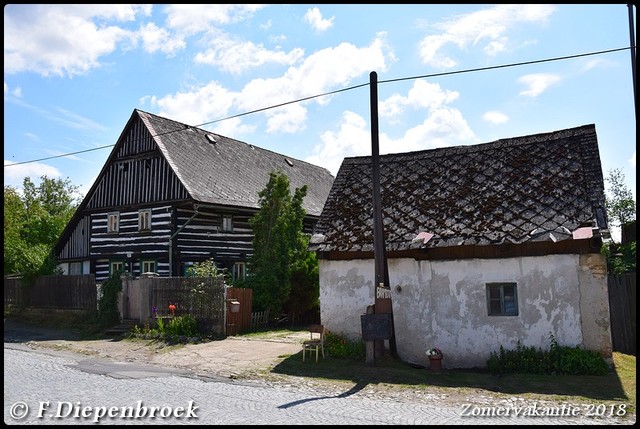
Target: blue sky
<point>74,73</point>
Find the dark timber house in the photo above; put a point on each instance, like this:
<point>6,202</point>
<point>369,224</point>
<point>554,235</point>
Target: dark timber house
<point>171,194</point>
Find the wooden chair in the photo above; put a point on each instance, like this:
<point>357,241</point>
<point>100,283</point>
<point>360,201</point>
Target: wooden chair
<point>315,343</point>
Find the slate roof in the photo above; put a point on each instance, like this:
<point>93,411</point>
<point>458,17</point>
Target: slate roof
<point>511,191</point>
<point>229,171</point>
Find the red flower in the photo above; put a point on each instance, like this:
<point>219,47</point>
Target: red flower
<point>172,309</point>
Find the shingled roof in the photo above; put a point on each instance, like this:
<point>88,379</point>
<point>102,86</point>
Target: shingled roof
<point>542,187</point>
<point>220,170</point>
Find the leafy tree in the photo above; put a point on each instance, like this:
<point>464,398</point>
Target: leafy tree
<point>620,205</point>
<point>279,246</point>
<point>621,209</point>
<point>33,223</point>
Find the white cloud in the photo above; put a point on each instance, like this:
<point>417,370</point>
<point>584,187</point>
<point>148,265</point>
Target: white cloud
<point>287,119</point>
<point>632,161</point>
<point>495,117</point>
<point>488,26</point>
<point>236,56</point>
<point>443,127</point>
<point>422,95</point>
<point>194,106</point>
<point>351,139</point>
<point>314,17</point>
<point>14,175</point>
<point>537,83</point>
<point>63,39</point>
<point>198,18</point>
<point>155,39</point>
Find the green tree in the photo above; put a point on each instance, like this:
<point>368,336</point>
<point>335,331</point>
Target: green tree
<point>621,210</point>
<point>279,244</point>
<point>33,223</point>
<point>619,203</point>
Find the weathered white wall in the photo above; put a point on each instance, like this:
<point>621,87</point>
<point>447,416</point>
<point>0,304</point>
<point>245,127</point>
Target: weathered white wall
<point>443,304</point>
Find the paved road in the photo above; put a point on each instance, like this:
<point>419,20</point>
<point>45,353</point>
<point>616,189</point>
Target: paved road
<point>48,387</point>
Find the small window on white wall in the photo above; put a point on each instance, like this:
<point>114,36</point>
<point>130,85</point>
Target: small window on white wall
<point>113,222</point>
<point>502,299</point>
<point>75,268</point>
<point>144,220</point>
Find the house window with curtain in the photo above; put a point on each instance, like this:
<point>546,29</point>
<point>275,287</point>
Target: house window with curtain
<point>227,223</point>
<point>113,222</point>
<point>502,299</point>
<point>144,220</point>
<point>75,268</point>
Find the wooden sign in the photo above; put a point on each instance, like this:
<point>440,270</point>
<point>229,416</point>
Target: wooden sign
<point>376,326</point>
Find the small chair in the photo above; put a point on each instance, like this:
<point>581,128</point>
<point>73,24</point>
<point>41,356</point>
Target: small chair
<point>316,342</point>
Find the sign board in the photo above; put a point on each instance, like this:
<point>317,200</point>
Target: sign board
<point>376,326</point>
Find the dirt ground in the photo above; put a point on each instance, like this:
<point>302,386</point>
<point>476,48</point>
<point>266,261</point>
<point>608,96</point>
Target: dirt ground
<point>232,357</point>
<point>245,358</point>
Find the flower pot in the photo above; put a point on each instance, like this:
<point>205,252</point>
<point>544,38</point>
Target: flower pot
<point>435,363</point>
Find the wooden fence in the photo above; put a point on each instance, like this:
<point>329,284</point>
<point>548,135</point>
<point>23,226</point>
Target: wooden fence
<point>622,308</point>
<point>147,298</point>
<point>77,292</point>
<point>240,321</point>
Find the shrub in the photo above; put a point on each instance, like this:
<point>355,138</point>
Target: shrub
<point>557,360</point>
<point>340,347</point>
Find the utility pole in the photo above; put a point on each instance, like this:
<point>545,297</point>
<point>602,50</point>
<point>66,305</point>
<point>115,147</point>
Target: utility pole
<point>382,288</point>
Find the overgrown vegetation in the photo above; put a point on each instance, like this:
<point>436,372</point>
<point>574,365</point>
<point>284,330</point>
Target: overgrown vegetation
<point>108,313</point>
<point>339,347</point>
<point>557,360</point>
<point>171,329</point>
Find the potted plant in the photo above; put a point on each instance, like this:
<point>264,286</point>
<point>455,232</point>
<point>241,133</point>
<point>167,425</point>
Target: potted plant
<point>435,359</point>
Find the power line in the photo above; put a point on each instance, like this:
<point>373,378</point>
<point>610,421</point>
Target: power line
<point>348,89</point>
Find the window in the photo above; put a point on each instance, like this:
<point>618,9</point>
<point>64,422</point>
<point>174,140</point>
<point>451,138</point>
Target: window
<point>144,221</point>
<point>227,223</point>
<point>113,222</point>
<point>239,271</point>
<point>148,266</point>
<point>502,299</point>
<point>115,266</point>
<point>75,268</point>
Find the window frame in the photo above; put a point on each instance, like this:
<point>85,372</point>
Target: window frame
<point>503,302</point>
<point>227,223</point>
<point>239,268</point>
<point>116,262</point>
<point>113,222</point>
<point>148,261</point>
<point>75,264</point>
<point>144,220</point>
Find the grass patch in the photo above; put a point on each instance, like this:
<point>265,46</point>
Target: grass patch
<point>616,387</point>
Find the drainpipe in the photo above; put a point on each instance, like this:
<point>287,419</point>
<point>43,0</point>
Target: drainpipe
<point>173,236</point>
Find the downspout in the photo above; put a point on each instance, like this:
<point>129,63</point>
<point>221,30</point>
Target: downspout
<point>173,236</point>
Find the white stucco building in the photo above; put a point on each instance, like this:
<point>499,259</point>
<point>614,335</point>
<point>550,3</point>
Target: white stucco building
<point>486,246</point>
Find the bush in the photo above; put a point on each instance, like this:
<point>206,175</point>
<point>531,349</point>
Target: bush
<point>179,326</point>
<point>557,360</point>
<point>340,347</point>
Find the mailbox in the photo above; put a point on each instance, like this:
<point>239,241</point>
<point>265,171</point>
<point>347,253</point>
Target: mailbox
<point>234,306</point>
